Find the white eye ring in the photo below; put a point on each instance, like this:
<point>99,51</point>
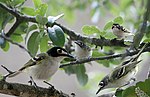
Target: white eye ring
<point>101,83</point>
<point>59,51</point>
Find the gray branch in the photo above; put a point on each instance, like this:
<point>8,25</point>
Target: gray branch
<point>139,35</point>
<point>147,49</point>
<point>74,36</point>
<point>23,90</point>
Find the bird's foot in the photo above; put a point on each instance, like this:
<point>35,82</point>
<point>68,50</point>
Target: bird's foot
<point>32,82</point>
<point>51,86</point>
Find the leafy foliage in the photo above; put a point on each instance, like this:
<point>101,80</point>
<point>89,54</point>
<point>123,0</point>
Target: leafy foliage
<point>38,35</point>
<point>56,34</point>
<point>141,89</point>
<point>79,71</point>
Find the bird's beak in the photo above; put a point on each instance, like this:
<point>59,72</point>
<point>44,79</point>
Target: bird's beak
<point>77,43</point>
<point>99,90</point>
<point>70,56</point>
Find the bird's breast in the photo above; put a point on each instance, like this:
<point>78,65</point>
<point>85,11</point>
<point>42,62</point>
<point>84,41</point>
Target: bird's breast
<point>44,70</point>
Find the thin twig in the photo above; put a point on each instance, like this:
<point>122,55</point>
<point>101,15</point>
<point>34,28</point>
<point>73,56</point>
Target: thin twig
<point>11,11</point>
<point>103,58</point>
<point>74,36</point>
<point>139,35</point>
<point>15,43</point>
<point>13,28</point>
<point>9,71</point>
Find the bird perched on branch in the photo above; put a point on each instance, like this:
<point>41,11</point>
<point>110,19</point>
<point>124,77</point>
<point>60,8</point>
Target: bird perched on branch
<point>82,50</point>
<point>121,75</point>
<point>120,32</point>
<point>44,65</point>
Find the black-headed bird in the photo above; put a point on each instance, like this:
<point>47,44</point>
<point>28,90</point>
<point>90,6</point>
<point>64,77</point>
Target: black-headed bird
<point>44,65</point>
<point>120,32</point>
<point>121,75</point>
<point>82,50</point>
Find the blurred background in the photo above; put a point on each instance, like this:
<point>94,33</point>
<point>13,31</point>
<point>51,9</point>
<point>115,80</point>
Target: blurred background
<point>78,13</point>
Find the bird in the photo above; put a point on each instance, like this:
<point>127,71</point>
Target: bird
<point>121,75</point>
<point>44,65</point>
<point>120,31</point>
<point>82,50</point>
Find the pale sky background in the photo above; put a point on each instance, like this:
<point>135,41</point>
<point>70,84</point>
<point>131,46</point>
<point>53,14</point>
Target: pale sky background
<point>16,57</point>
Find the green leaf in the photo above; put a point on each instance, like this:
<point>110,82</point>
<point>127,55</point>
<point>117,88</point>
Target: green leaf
<point>56,34</point>
<point>144,86</point>
<point>5,46</point>
<point>118,93</point>
<point>37,3</point>
<point>70,69</point>
<point>124,4</point>
<point>42,9</point>
<point>142,89</point>
<point>80,72</point>
<point>17,2</point>
<point>81,75</point>
<point>4,1</point>
<point>28,11</point>
<point>118,20</point>
<point>108,25</point>
<point>30,28</point>
<point>109,35</point>
<point>90,30</point>
<point>129,93</point>
<point>99,54</point>
<point>147,31</point>
<point>147,40</point>
<point>41,20</point>
<point>16,37</point>
<point>33,43</point>
<point>5,17</point>
<point>44,44</point>
<point>1,76</point>
<point>22,28</point>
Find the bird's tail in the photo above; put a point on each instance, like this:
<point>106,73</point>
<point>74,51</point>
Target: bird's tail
<point>129,34</point>
<point>14,74</point>
<point>132,65</point>
<point>139,53</point>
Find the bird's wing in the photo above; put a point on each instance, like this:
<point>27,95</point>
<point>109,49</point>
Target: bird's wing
<point>34,61</point>
<point>31,62</point>
<point>120,71</point>
<point>117,73</point>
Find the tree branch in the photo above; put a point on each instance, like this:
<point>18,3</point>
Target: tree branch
<point>23,90</point>
<point>139,35</point>
<point>11,11</point>
<point>15,43</point>
<point>107,95</point>
<point>13,28</point>
<point>147,49</point>
<point>96,41</point>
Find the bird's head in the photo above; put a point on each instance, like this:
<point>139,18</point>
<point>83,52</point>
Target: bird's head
<point>58,52</point>
<point>82,45</point>
<point>115,25</point>
<point>103,84</point>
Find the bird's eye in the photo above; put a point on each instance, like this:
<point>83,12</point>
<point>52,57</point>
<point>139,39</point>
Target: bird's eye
<point>101,84</point>
<point>81,43</point>
<point>59,51</point>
